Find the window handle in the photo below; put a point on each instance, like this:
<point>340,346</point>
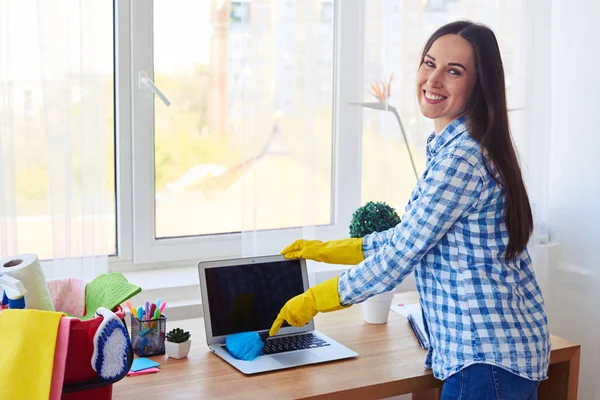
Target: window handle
<point>146,82</point>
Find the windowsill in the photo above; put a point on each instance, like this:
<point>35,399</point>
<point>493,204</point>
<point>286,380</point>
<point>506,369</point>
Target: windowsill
<point>179,287</point>
<point>153,279</point>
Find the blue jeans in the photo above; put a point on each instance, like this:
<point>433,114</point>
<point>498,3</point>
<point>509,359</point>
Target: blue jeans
<point>488,382</point>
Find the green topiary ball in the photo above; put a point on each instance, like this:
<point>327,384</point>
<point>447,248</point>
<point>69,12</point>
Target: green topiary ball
<point>373,217</point>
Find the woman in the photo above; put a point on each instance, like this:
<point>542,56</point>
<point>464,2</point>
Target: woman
<point>464,234</point>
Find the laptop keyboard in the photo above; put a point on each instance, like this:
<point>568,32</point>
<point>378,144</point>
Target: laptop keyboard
<point>290,343</point>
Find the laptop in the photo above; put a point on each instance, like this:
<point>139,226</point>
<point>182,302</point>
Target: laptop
<point>245,295</point>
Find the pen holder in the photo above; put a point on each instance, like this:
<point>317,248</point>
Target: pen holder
<point>148,336</point>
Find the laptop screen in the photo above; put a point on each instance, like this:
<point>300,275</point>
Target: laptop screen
<point>248,297</point>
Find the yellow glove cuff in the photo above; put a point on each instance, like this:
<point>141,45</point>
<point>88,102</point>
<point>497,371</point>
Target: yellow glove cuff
<point>326,295</point>
<point>343,251</point>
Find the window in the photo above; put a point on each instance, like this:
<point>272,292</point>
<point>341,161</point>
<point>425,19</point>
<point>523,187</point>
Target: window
<point>247,143</point>
<point>263,135</point>
<point>237,122</point>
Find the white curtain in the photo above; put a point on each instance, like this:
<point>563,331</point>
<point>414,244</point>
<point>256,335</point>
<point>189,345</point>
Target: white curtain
<point>55,163</point>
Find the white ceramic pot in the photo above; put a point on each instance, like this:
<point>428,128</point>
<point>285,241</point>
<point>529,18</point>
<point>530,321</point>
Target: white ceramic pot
<point>377,308</point>
<point>178,350</point>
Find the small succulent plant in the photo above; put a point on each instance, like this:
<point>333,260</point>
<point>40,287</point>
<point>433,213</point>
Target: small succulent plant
<point>178,335</point>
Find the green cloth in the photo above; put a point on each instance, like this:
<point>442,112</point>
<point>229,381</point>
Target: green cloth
<point>107,290</point>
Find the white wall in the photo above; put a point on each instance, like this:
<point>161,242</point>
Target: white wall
<point>573,208</point>
<point>574,191</point>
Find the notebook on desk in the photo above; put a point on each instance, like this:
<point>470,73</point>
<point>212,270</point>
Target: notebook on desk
<point>414,315</point>
<point>246,295</point>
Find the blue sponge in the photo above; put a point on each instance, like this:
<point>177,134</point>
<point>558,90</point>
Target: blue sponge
<point>244,346</point>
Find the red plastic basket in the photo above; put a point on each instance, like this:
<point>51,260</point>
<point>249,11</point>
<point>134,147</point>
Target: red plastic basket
<point>81,381</point>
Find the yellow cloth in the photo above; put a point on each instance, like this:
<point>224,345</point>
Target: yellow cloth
<point>299,310</point>
<point>343,251</point>
<point>27,342</point>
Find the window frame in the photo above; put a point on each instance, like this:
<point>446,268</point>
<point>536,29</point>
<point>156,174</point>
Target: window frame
<point>136,244</point>
<point>123,138</point>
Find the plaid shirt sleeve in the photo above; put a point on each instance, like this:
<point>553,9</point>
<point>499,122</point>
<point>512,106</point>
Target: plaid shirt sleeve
<point>451,188</point>
<point>374,241</point>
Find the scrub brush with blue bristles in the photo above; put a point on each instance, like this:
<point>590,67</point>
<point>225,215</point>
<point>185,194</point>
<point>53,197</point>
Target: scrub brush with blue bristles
<point>111,347</point>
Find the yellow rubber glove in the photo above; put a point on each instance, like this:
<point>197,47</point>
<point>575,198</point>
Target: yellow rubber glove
<point>344,251</point>
<point>299,310</point>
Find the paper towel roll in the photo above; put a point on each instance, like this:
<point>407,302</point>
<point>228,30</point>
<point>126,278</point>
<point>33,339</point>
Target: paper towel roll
<point>27,269</point>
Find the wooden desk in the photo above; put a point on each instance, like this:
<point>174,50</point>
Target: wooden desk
<point>390,363</point>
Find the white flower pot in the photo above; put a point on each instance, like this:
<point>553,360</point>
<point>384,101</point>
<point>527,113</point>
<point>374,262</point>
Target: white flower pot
<point>178,350</point>
<point>377,308</point>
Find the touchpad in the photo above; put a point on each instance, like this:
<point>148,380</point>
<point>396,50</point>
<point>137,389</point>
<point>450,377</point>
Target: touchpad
<point>300,357</point>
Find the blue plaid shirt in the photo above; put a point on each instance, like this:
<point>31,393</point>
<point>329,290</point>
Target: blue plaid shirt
<point>477,306</point>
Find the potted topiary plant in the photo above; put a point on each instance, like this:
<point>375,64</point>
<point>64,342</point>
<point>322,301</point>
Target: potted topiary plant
<point>178,343</point>
<point>375,217</point>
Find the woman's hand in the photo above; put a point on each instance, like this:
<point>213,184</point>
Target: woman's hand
<point>344,251</point>
<point>299,310</point>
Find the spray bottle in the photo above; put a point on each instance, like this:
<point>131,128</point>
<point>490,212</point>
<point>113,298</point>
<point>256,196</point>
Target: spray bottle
<point>14,292</point>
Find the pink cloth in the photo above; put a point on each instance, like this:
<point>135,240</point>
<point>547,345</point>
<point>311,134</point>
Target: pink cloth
<point>60,358</point>
<point>143,371</point>
<point>68,295</point>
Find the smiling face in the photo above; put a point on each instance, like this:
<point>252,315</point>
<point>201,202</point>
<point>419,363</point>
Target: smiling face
<point>446,79</point>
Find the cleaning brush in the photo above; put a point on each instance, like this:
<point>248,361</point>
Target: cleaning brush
<point>246,345</point>
<point>111,346</point>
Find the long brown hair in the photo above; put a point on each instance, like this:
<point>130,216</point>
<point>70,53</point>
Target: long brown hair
<point>487,120</point>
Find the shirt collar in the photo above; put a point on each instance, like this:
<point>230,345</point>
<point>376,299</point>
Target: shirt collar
<point>437,142</point>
